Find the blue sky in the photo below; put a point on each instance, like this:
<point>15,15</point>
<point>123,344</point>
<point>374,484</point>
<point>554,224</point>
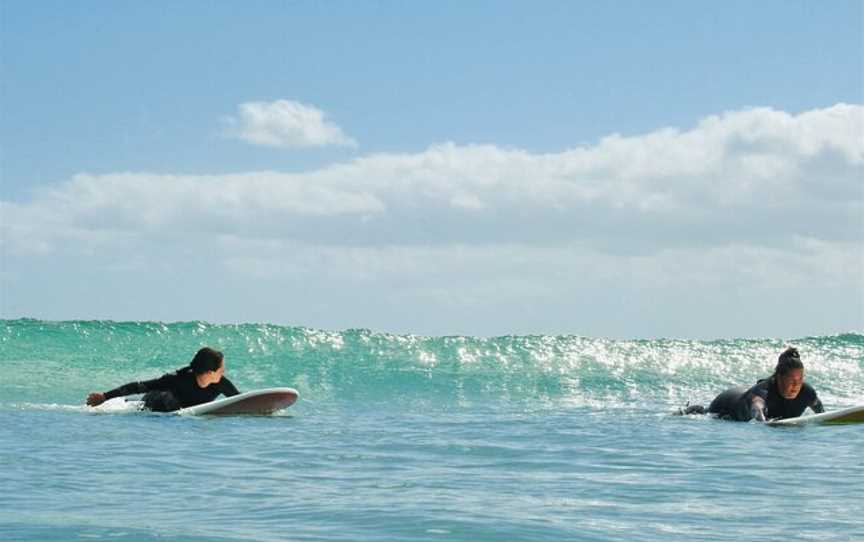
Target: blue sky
<point>476,138</point>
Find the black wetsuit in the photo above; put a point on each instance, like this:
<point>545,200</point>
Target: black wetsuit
<point>175,390</point>
<point>736,403</point>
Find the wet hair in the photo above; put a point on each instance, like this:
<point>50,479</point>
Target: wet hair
<point>788,361</point>
<point>206,360</point>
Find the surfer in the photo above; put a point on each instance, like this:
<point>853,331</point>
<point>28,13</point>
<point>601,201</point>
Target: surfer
<point>782,395</point>
<point>200,382</point>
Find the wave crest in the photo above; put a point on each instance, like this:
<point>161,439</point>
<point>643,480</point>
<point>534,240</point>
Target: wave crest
<point>45,359</point>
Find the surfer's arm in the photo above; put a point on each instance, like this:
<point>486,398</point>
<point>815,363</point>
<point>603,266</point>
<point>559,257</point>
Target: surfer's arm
<point>97,398</point>
<point>127,389</point>
<point>816,406</point>
<point>227,388</point>
<point>161,383</point>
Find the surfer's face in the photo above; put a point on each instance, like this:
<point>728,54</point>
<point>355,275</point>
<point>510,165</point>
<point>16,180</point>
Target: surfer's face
<point>211,377</point>
<point>789,385</point>
<point>217,374</point>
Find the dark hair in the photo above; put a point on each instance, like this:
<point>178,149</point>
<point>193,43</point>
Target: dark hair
<point>206,360</point>
<point>788,361</point>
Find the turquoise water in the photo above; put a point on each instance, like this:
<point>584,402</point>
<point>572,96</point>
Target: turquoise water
<point>415,438</point>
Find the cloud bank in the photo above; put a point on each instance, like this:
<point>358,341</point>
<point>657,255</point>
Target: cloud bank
<point>285,124</point>
<point>754,175</point>
<point>757,214</point>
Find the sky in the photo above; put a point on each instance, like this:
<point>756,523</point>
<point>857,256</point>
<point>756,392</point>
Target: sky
<point>611,169</point>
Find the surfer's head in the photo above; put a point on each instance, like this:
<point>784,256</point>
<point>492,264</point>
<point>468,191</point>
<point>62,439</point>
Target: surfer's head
<point>210,363</point>
<point>789,373</point>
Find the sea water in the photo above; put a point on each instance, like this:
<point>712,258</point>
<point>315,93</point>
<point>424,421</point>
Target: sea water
<point>420,438</point>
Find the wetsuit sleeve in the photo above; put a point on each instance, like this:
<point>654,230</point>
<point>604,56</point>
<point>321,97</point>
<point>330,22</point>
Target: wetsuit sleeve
<point>161,383</point>
<point>227,388</point>
<point>817,406</point>
<point>816,403</point>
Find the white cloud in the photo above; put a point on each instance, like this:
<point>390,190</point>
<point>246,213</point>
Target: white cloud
<point>751,222</point>
<point>285,124</point>
<point>754,176</point>
<point>548,270</point>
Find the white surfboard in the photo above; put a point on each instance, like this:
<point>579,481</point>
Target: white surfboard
<point>260,402</point>
<point>849,415</point>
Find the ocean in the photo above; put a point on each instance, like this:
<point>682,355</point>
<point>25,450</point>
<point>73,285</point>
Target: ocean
<point>399,437</point>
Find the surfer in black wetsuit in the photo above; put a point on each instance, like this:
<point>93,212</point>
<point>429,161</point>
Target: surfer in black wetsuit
<point>783,395</point>
<point>200,382</point>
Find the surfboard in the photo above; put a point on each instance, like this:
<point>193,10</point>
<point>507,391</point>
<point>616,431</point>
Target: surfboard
<point>849,415</point>
<point>256,402</point>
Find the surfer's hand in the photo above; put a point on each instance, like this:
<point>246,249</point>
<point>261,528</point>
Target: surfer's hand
<point>757,409</point>
<point>95,399</point>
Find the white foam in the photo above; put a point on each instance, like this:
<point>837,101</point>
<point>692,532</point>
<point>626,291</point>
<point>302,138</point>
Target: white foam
<point>118,405</point>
